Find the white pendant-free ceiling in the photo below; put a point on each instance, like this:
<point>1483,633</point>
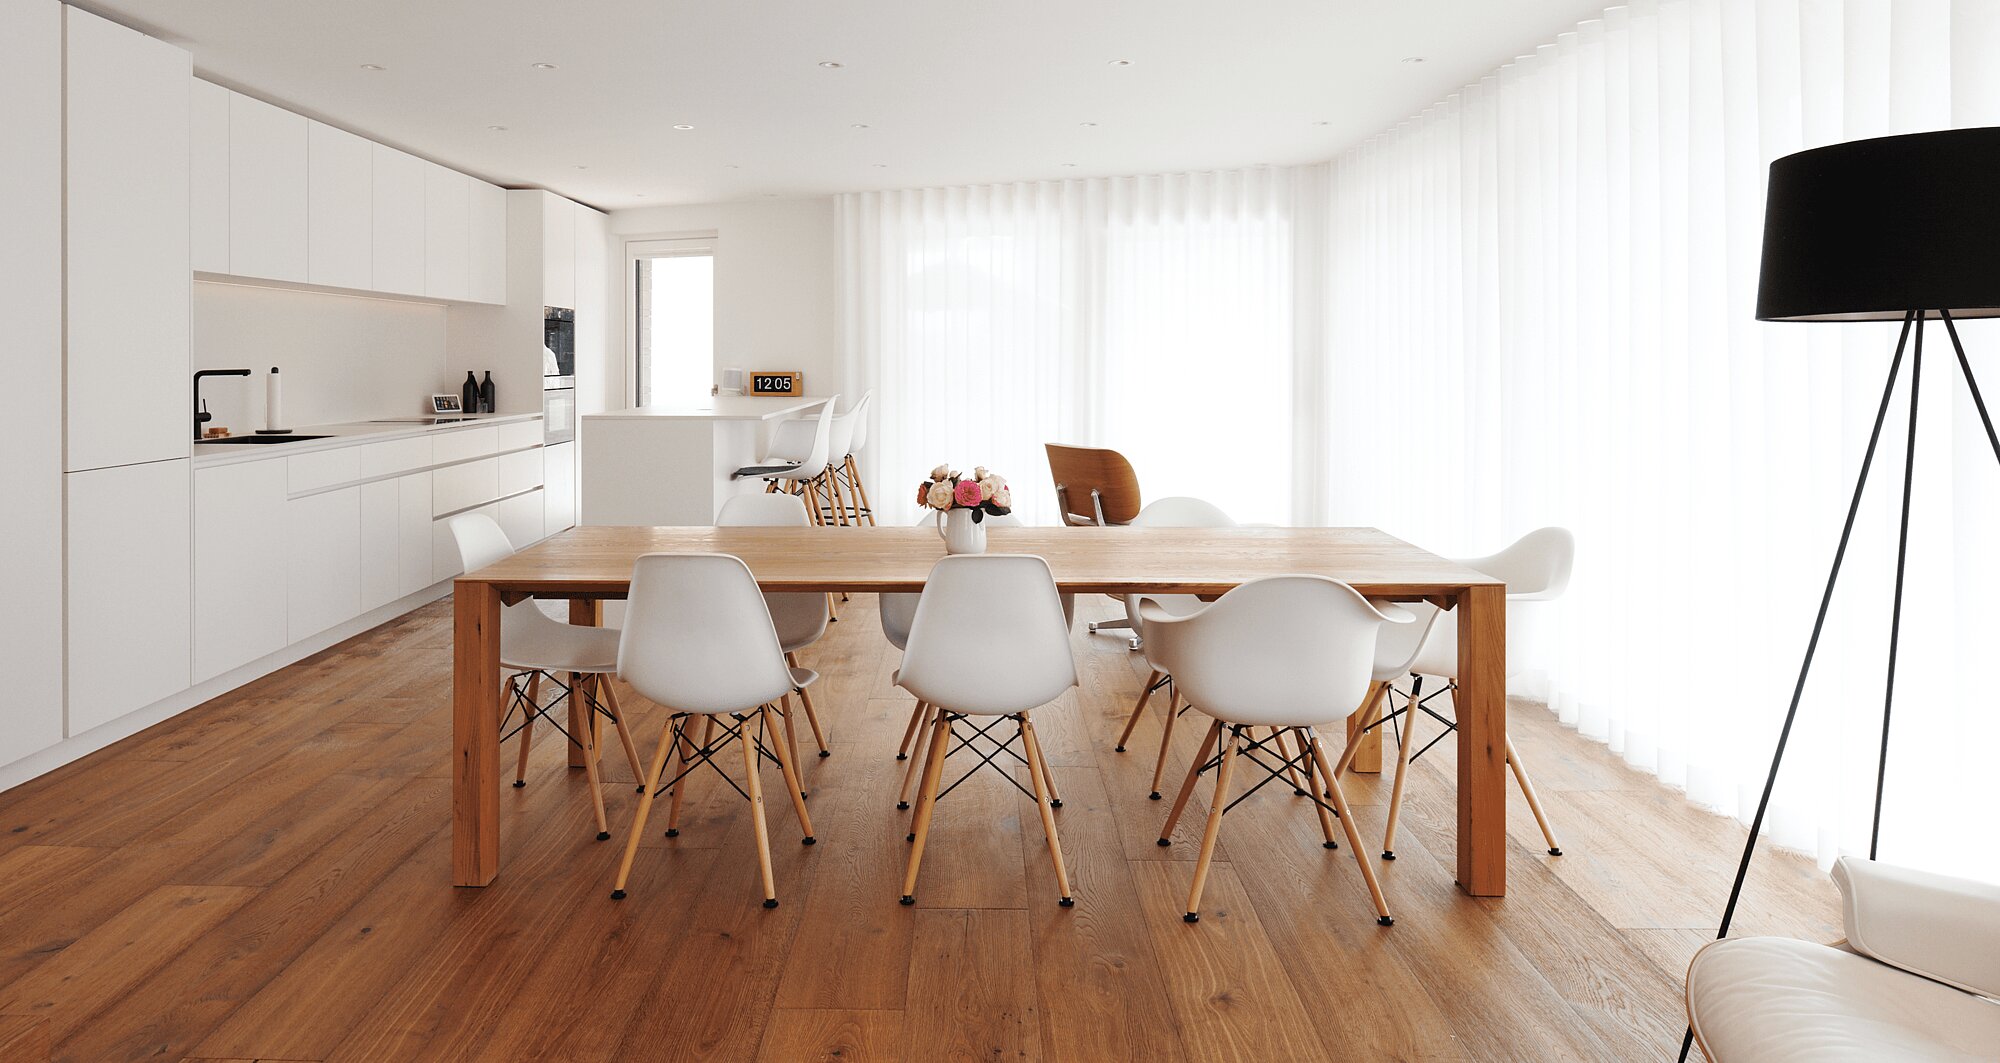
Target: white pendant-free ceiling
<point>638,102</point>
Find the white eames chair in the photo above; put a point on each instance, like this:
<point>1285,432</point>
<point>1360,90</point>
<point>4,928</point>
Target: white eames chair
<point>1536,568</point>
<point>699,641</point>
<point>988,640</point>
<point>1916,981</point>
<point>536,647</point>
<point>799,453</point>
<point>1280,653</point>
<point>849,469</point>
<point>1176,512</point>
<point>800,618</point>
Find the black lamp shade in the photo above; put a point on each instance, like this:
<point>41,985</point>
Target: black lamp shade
<point>1872,229</point>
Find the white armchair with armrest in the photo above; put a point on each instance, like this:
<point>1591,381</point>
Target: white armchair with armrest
<point>1916,979</point>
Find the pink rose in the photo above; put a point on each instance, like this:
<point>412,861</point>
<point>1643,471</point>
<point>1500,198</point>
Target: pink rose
<point>967,493</point>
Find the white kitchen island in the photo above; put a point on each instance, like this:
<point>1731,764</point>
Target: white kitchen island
<point>658,465</point>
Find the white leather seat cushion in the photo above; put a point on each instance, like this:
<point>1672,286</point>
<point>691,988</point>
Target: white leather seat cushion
<point>1775,1000</point>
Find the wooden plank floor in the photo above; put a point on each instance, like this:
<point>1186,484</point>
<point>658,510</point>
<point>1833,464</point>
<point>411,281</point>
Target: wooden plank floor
<point>265,877</point>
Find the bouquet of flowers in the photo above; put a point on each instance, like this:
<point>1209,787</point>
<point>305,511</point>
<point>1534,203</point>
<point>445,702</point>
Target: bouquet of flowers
<point>982,492</point>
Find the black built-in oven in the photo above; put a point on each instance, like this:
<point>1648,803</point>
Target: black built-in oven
<point>558,374</point>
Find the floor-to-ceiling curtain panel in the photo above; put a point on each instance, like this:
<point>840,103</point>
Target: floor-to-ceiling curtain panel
<point>1540,311</point>
<point>1154,315</point>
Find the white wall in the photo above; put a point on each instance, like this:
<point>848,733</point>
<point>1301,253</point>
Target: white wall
<point>774,285</point>
<point>344,358</point>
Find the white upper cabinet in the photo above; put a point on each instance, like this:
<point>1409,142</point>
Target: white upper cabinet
<point>399,221</point>
<point>267,191</point>
<point>489,243</point>
<point>208,177</point>
<point>340,190</point>
<point>447,233</point>
<point>126,265</point>
<point>558,251</point>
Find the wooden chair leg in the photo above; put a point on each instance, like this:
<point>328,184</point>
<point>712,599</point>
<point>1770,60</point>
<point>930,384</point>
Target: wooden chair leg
<point>1405,748</point>
<point>927,800</point>
<point>527,724</point>
<point>1166,741</point>
<point>1313,786</point>
<point>1040,757</point>
<point>918,765</point>
<point>667,743</point>
<point>1285,754</point>
<point>791,739</point>
<point>1213,830</point>
<point>1038,775</point>
<point>1187,786</point>
<point>680,770</point>
<point>916,718</point>
<point>755,788</point>
<point>1534,802</point>
<point>1138,710</point>
<point>1353,836</point>
<point>624,732</point>
<point>587,735</point>
<point>860,489</point>
<point>791,774</point>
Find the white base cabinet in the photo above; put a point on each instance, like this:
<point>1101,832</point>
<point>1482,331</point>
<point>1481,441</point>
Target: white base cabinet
<point>323,541</point>
<point>558,488</point>
<point>128,588</point>
<point>395,539</point>
<point>240,565</point>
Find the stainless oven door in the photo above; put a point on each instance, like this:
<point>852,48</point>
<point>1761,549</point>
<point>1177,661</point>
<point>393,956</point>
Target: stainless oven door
<point>558,415</point>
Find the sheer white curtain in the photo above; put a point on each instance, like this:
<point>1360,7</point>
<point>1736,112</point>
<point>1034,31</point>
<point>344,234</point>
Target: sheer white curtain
<point>1540,301</point>
<point>1154,315</point>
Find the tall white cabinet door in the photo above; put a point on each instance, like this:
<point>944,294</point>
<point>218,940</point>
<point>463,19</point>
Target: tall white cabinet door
<point>558,251</point>
<point>489,243</point>
<point>267,190</point>
<point>340,190</point>
<point>31,81</point>
<point>381,543</point>
<point>126,263</point>
<point>559,487</point>
<point>398,222</point>
<point>239,565</point>
<point>323,540</point>
<point>414,530</point>
<point>208,177</point>
<point>128,588</point>
<point>447,233</point>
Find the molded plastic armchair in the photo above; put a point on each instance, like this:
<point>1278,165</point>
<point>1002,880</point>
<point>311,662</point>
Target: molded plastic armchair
<point>1915,981</point>
<point>1281,653</point>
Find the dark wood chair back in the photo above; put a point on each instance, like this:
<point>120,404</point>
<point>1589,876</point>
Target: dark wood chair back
<point>1093,486</point>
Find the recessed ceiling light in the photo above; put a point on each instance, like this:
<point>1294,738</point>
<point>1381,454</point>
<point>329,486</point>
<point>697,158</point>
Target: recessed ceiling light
<point>1069,164</point>
<point>881,165</point>
<point>858,125</point>
<point>638,195</point>
<point>1086,125</point>
<point>1413,59</point>
<point>497,128</point>
<point>1322,123</point>
<point>583,167</point>
<point>683,127</point>
<point>542,66</point>
<point>731,166</point>
<point>830,64</point>
<point>770,195</point>
<point>373,66</point>
<point>1120,62</point>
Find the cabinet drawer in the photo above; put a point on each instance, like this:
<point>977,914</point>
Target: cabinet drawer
<point>520,471</point>
<point>461,486</point>
<point>522,519</point>
<point>394,456</point>
<point>465,443</point>
<point>520,434</point>
<point>310,472</point>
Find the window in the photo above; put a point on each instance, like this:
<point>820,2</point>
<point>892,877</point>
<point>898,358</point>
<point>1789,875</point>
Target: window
<point>673,320</point>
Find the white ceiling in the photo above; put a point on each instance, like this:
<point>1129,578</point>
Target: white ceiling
<point>951,92</point>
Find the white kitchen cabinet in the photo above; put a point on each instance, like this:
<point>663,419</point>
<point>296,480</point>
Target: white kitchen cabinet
<point>126,261</point>
<point>520,471</point>
<point>398,222</point>
<point>340,192</point>
<point>558,251</point>
<point>239,565</point>
<point>127,582</point>
<point>208,176</point>
<point>447,233</point>
<point>381,543</point>
<point>31,191</point>
<point>521,518</point>
<point>414,533</point>
<point>462,486</point>
<point>267,191</point>
<point>558,488</point>
<point>323,544</point>
<point>489,243</point>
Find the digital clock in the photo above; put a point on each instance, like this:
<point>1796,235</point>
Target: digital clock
<point>765,382</point>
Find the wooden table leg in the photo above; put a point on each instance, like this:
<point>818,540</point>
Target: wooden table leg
<point>583,612</point>
<point>475,734</point>
<point>1368,755</point>
<point>1481,705</point>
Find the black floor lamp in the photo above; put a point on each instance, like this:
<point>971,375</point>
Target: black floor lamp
<point>1903,228</point>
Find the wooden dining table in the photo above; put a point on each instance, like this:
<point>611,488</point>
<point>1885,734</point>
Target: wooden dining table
<point>591,564</point>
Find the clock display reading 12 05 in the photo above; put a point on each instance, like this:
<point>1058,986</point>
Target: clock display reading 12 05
<point>769,383</point>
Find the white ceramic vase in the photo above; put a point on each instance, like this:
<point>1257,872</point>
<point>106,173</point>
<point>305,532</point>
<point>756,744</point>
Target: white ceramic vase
<point>961,534</point>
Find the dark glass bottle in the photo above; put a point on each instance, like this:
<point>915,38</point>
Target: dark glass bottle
<point>486,394</point>
<point>468,394</point>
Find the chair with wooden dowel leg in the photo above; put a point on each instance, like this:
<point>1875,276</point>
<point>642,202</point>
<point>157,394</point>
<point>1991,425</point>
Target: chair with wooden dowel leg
<point>989,642</point>
<point>1282,653</point>
<point>848,468</point>
<point>800,618</point>
<point>698,640</point>
<point>536,648</point>
<point>1095,488</point>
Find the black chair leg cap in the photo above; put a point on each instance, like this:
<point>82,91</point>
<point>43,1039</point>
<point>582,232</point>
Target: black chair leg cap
<point>1329,845</point>
<point>518,784</point>
<point>910,837</point>
<point>673,832</point>
<point>907,900</point>
<point>826,752</point>
<point>902,806</point>
<point>808,840</point>
<point>1163,843</point>
<point>803,796</point>
<point>1191,918</point>
<point>1388,855</point>
<point>1056,802</point>
<point>770,902</point>
<point>604,835</point>
<point>902,756</point>
<point>617,895</point>
<point>638,789</point>
<point>1118,749</point>
<point>1067,902</point>
<point>1154,796</point>
<point>1296,792</point>
<point>1555,852</point>
<point>1383,920</point>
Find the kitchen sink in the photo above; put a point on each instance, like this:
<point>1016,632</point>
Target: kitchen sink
<point>261,439</point>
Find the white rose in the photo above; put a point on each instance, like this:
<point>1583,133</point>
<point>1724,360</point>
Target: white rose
<point>940,472</point>
<point>987,488</point>
<point>1004,497</point>
<point>979,472</point>
<point>999,481</point>
<point>940,496</point>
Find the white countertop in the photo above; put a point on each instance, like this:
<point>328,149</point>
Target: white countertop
<point>718,408</point>
<point>351,434</point>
